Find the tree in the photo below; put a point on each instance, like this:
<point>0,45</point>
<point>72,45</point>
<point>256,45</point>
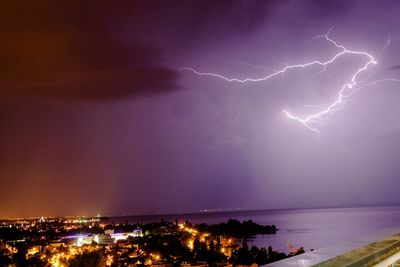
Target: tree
<point>212,247</point>
<point>196,245</point>
<point>244,257</point>
<point>94,259</point>
<point>262,257</point>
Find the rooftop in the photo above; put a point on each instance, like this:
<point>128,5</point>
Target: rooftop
<point>379,249</point>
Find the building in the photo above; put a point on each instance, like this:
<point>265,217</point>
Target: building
<point>104,239</point>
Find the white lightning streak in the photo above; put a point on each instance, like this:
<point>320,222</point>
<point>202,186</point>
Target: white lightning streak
<point>344,92</point>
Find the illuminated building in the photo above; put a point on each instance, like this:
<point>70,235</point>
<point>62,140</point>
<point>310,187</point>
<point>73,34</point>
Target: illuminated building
<point>105,239</point>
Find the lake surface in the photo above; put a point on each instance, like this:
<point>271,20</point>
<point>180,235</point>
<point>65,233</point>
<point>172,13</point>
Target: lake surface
<point>309,228</point>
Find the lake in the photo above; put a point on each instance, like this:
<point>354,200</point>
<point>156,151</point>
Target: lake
<point>309,228</point>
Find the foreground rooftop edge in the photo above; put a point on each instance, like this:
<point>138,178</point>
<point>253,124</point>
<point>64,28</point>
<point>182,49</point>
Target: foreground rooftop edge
<point>378,249</point>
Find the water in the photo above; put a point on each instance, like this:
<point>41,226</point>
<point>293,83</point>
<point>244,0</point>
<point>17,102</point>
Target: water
<point>311,229</point>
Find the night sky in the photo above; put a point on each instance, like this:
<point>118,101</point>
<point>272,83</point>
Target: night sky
<point>97,115</point>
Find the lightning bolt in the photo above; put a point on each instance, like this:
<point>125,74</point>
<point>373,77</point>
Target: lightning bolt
<point>344,92</point>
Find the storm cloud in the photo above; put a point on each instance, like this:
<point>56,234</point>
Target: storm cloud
<point>67,50</point>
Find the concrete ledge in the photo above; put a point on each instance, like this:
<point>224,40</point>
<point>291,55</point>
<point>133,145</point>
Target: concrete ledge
<point>362,251</point>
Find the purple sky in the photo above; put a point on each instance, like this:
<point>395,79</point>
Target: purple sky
<point>97,117</point>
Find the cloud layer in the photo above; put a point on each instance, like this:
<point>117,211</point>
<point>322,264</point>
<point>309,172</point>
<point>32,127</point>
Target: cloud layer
<point>68,51</point>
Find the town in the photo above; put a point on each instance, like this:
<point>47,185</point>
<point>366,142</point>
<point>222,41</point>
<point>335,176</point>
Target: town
<point>97,241</point>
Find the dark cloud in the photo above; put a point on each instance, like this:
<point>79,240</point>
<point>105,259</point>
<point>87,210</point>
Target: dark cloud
<point>105,50</point>
<point>68,51</point>
<point>396,67</point>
